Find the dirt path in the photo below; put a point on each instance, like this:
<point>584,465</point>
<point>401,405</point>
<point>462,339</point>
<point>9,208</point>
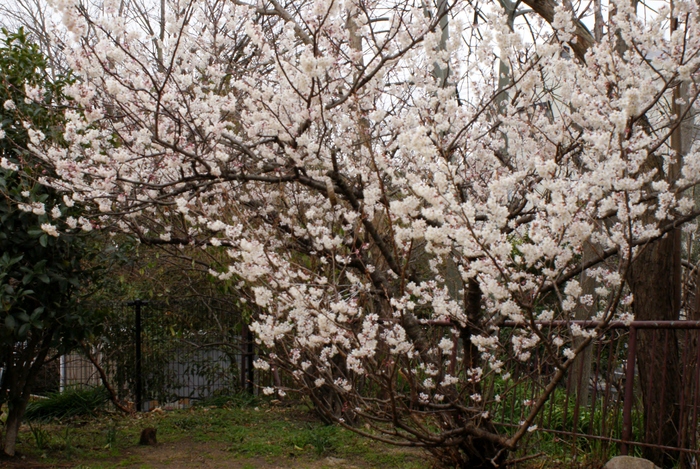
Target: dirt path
<point>187,454</point>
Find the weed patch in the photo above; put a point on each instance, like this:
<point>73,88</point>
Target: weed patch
<point>258,435</point>
<point>69,403</point>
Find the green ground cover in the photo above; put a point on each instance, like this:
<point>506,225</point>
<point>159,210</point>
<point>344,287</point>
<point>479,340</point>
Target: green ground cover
<point>73,430</point>
<point>256,435</point>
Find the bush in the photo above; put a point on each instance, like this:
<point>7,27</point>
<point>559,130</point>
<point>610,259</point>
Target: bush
<point>70,403</point>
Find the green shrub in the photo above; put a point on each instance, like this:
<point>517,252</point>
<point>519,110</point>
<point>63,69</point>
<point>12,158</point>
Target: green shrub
<point>70,403</point>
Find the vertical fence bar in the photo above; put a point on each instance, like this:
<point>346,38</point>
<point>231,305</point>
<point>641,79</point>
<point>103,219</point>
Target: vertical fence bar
<point>251,356</point>
<point>683,392</point>
<point>577,402</point>
<point>139,374</point>
<point>696,394</point>
<point>596,379</point>
<point>629,391</point>
<point>615,424</point>
<point>138,392</point>
<point>604,430</point>
<point>663,382</point>
<point>244,352</point>
<point>648,382</point>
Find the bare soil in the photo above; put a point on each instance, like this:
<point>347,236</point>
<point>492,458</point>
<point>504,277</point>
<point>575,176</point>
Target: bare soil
<point>186,454</point>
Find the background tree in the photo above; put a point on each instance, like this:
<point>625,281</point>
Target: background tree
<point>40,271</point>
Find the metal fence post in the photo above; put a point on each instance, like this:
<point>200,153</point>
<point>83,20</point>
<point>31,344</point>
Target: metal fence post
<point>251,355</point>
<point>247,356</point>
<point>629,392</point>
<point>244,351</point>
<point>138,392</point>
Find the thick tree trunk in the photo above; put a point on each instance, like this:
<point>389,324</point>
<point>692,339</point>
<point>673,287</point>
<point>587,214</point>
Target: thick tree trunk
<point>654,279</point>
<point>473,452</point>
<point>14,419</point>
<point>21,369</point>
<point>476,452</point>
<point>11,431</point>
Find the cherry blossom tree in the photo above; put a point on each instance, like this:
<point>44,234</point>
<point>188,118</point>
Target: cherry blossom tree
<point>392,194</point>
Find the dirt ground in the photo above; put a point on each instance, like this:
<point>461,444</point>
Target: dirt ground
<point>185,454</point>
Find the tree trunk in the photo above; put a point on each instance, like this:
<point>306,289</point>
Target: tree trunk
<point>476,452</point>
<point>654,280</point>
<point>580,374</point>
<point>21,369</point>
<point>14,419</point>
<point>473,452</point>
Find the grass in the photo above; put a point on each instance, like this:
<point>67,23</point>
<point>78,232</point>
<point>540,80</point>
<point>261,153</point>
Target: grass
<point>253,434</point>
<point>560,415</point>
<point>41,436</point>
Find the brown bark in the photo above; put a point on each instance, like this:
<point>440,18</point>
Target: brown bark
<point>580,375</point>
<point>11,431</point>
<point>472,308</point>
<point>14,420</point>
<point>695,310</point>
<point>598,20</point>
<point>18,398</point>
<point>654,278</point>
<point>480,449</point>
<point>584,38</point>
<point>20,374</point>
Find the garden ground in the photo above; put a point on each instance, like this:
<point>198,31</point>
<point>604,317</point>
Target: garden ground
<point>265,437</point>
<point>255,435</point>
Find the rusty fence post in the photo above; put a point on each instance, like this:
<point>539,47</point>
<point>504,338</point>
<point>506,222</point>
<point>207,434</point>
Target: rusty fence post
<point>629,392</point>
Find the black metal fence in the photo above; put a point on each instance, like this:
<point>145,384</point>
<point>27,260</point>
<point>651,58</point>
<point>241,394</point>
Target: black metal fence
<point>167,353</point>
<point>171,354</point>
